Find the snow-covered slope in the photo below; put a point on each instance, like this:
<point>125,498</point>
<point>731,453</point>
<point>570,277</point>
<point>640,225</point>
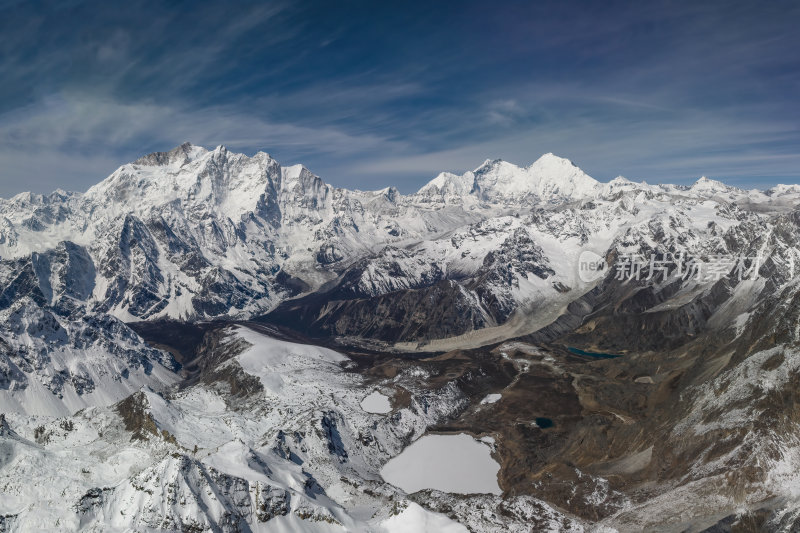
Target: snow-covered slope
<point>295,453</point>
<point>519,271</point>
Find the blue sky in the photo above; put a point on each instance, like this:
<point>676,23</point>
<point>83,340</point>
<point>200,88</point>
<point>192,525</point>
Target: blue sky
<point>368,94</point>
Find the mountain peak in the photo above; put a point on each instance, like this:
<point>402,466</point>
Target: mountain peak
<point>180,154</point>
<point>554,176</point>
<point>296,172</point>
<point>550,156</point>
<point>548,177</point>
<point>488,165</point>
<point>552,162</point>
<point>207,180</point>
<point>705,184</point>
<point>450,187</point>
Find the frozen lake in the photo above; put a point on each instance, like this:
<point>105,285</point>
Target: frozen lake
<point>449,463</point>
<point>376,403</point>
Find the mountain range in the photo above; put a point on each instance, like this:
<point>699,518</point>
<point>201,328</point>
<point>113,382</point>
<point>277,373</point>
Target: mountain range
<point>186,345</point>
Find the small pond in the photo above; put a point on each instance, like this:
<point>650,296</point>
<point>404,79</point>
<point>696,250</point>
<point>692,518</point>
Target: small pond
<point>597,355</point>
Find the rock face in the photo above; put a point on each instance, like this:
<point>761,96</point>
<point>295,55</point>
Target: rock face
<point>56,354</point>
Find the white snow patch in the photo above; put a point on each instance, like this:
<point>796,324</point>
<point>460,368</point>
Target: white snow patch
<point>415,519</point>
<point>278,364</point>
<point>491,398</point>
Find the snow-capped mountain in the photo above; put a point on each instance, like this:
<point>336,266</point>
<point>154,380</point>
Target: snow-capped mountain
<point>548,179</point>
<point>57,356</point>
<point>626,399</point>
<point>198,233</point>
<point>193,233</point>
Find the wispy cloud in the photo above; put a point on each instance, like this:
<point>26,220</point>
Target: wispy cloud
<point>680,150</point>
<point>504,111</point>
<point>371,95</point>
<point>90,135</point>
